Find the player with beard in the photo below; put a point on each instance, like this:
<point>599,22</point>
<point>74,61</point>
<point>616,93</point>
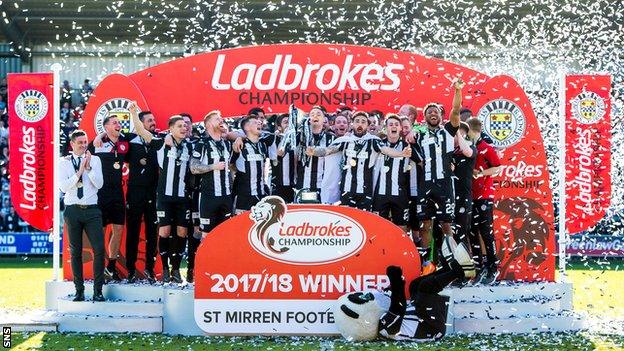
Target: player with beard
<point>435,147</point>
<point>211,159</point>
<point>111,147</point>
<point>359,155</point>
<point>341,125</point>
<point>464,161</point>
<point>141,200</point>
<point>249,157</point>
<point>391,190</point>
<point>313,135</point>
<point>283,163</point>
<point>172,203</point>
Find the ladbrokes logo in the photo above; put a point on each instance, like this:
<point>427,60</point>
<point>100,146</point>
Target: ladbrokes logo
<point>303,236</point>
<point>286,82</point>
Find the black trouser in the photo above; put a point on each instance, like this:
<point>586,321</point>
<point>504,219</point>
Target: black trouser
<point>438,237</point>
<point>141,206</point>
<point>463,218</point>
<point>482,225</point>
<point>428,305</point>
<point>88,220</point>
<point>431,307</point>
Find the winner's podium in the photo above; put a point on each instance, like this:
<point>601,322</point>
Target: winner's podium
<point>278,270</point>
<point>504,308</point>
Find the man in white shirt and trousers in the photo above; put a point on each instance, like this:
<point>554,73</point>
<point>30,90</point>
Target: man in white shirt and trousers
<point>80,178</point>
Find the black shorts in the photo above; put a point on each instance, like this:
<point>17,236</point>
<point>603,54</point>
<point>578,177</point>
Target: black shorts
<point>361,201</point>
<point>213,210</point>
<point>392,208</point>
<point>244,202</point>
<point>415,209</point>
<point>113,206</point>
<point>285,192</point>
<point>438,201</point>
<point>173,212</point>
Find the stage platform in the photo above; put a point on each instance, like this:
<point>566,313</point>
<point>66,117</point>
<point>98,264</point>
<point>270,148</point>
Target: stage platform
<point>503,308</point>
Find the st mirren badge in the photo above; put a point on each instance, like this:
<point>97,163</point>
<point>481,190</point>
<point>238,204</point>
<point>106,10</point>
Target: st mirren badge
<point>353,163</point>
<point>143,161</point>
<point>117,107</point>
<point>588,107</point>
<point>503,121</point>
<point>31,106</point>
<point>116,165</point>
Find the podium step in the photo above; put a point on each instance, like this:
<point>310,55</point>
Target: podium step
<point>494,310</point>
<point>509,292</point>
<point>33,321</point>
<point>526,324</point>
<point>68,322</point>
<point>111,308</point>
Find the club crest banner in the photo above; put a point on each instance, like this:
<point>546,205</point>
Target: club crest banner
<point>588,150</point>
<point>31,147</point>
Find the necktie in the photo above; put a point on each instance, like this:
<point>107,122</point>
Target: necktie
<point>81,187</point>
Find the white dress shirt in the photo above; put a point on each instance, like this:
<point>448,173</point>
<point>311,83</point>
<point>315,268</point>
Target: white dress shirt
<point>91,180</point>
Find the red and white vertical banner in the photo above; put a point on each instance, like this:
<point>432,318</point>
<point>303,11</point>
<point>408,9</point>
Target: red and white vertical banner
<point>588,150</point>
<point>31,103</point>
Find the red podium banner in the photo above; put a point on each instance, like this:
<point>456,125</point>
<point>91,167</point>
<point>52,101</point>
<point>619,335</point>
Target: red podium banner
<point>278,269</point>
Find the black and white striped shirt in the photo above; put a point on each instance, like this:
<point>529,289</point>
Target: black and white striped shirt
<point>283,168</point>
<point>250,166</point>
<point>359,158</point>
<point>209,151</point>
<point>393,173</point>
<point>312,168</point>
<point>436,149</point>
<point>415,175</point>
<point>173,162</point>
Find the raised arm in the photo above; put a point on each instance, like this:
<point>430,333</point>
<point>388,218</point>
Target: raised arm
<point>138,125</point>
<point>458,85</point>
<point>97,142</point>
